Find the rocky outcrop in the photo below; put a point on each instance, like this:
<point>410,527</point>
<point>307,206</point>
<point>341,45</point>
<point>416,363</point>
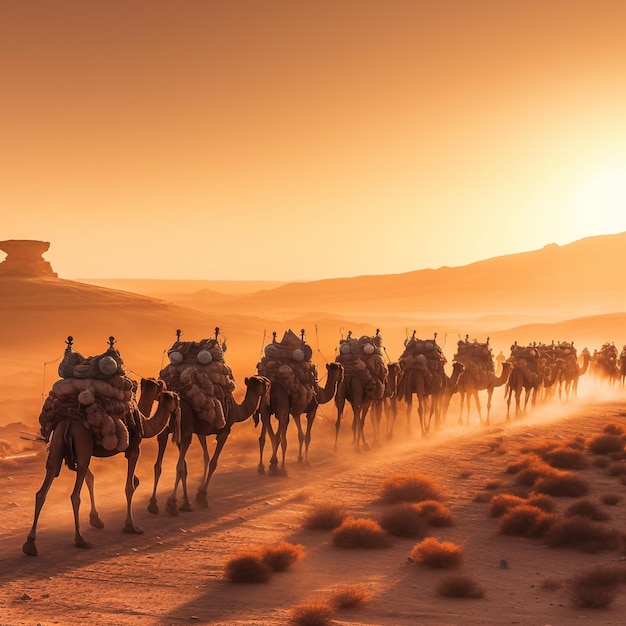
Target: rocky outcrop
<point>24,259</point>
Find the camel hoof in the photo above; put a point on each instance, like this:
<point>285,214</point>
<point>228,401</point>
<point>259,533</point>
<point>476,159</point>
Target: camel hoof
<point>201,500</point>
<point>81,543</point>
<point>366,447</point>
<point>131,529</point>
<point>29,547</point>
<point>186,507</point>
<point>260,470</point>
<point>171,507</point>
<point>274,471</point>
<point>95,521</point>
<point>153,507</point>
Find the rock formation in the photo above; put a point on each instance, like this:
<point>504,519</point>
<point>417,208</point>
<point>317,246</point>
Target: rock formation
<point>24,259</point>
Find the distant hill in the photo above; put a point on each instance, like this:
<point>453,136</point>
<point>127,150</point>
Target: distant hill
<point>582,278</point>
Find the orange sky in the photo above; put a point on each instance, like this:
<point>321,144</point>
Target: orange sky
<point>287,140</point>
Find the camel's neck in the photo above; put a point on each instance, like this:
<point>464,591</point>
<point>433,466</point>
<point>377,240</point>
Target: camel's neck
<point>247,407</point>
<point>152,426</point>
<point>327,392</point>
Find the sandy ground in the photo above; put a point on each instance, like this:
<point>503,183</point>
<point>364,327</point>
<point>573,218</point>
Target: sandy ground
<point>174,573</point>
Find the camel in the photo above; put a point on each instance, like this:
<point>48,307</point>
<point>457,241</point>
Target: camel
<point>604,365</point>
<point>429,391</point>
<point>569,374</point>
<point>256,388</point>
<point>388,404</point>
<point>72,441</point>
<point>280,406</point>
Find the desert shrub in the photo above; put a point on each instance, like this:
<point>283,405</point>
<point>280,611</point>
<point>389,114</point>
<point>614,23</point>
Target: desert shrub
<point>360,533</point>
<point>502,503</point>
<point>522,462</point>
<point>526,521</point>
<point>533,472</point>
<point>483,496</point>
<point>583,534</point>
<point>247,568</point>
<point>616,469</point>
<point>409,487</point>
<point>350,596</point>
<point>460,586</point>
<point>613,429</point>
<point>562,484</point>
<point>544,502</point>
<point>324,517</point>
<point>566,458</point>
<point>492,484</point>
<point>281,557</point>
<point>611,499</point>
<point>404,520</point>
<point>596,588</point>
<point>311,614</point>
<point>605,444</point>
<point>550,584</point>
<point>587,508</point>
<point>435,513</point>
<point>439,554</point>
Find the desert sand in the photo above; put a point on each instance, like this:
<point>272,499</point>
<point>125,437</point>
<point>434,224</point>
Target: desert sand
<point>175,571</point>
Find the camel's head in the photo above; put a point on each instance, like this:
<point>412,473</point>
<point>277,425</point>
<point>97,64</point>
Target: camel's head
<point>259,385</point>
<point>335,370</point>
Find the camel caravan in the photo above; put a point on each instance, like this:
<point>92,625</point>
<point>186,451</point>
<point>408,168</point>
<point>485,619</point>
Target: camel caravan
<point>96,409</point>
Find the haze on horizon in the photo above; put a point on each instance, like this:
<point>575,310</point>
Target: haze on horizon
<point>273,140</point>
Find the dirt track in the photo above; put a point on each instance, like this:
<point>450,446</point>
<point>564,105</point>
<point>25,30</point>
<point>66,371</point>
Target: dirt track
<point>174,572</point>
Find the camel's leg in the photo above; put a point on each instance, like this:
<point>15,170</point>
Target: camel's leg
<point>201,498</point>
<point>94,517</point>
<point>340,404</point>
<point>181,476</point>
<point>275,441</point>
<point>132,482</point>
<point>310,418</point>
<point>282,436</point>
<point>220,441</point>
<point>391,410</point>
<point>262,436</point>
<point>79,540</point>
<point>479,408</point>
<point>53,468</point>
<point>153,507</point>
<point>362,441</point>
<point>462,405</point>
<point>376,418</point>
<point>409,408</point>
<point>489,398</point>
<point>297,420</point>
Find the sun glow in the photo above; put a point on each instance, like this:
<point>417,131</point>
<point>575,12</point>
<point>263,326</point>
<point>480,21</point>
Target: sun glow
<point>599,206</point>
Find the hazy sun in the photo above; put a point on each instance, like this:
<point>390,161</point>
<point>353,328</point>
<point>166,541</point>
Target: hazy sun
<point>599,206</point>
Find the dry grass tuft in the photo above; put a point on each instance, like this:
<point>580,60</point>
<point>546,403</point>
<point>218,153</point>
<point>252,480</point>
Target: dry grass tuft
<point>324,516</point>
<point>611,499</point>
<point>360,533</point>
<point>616,469</point>
<point>502,503</point>
<point>587,508</point>
<point>460,586</point>
<point>281,557</point>
<point>613,429</point>
<point>312,614</point>
<point>404,520</point>
<point>544,502</point>
<point>596,588</point>
<point>566,458</point>
<point>483,496</point>
<point>247,568</point>
<point>550,584</point>
<point>435,513</point>
<point>409,487</point>
<point>606,444</point>
<point>350,597</point>
<point>583,534</point>
<point>438,554</point>
<point>562,484</point>
<point>527,521</point>
<point>492,484</point>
